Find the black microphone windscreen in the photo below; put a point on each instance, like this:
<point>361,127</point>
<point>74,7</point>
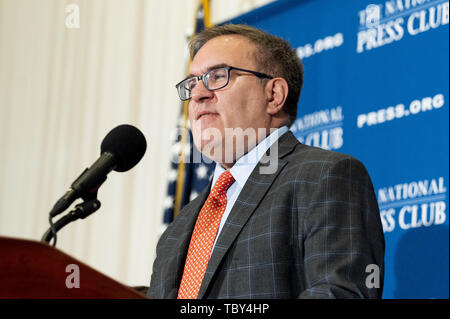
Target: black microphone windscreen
<point>128,145</point>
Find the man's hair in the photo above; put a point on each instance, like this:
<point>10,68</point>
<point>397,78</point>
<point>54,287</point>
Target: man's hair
<point>273,55</point>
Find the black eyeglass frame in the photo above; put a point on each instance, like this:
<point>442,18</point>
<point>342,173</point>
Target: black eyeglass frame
<point>205,82</point>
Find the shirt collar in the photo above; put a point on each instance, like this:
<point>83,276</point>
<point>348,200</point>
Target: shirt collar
<point>242,169</point>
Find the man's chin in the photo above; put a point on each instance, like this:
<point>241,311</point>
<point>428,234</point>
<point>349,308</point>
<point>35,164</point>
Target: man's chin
<point>214,152</point>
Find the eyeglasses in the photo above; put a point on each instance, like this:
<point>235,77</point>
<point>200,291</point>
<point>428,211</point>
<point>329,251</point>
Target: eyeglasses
<point>214,79</point>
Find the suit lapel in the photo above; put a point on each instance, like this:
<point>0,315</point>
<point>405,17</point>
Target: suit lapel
<point>254,190</point>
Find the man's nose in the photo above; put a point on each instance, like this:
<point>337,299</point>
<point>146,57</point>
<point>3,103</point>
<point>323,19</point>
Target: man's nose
<point>200,92</point>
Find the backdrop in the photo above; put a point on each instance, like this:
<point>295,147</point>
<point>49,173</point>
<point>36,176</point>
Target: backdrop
<point>376,87</point>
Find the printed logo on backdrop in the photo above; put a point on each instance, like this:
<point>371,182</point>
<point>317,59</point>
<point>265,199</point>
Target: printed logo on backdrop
<point>320,45</point>
<point>321,129</point>
<point>398,111</point>
<point>413,204</point>
<point>389,21</point>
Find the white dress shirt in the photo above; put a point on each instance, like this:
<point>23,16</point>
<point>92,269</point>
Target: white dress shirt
<point>241,171</point>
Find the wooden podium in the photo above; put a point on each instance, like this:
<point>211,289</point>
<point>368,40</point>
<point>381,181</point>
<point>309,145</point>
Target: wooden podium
<point>32,269</point>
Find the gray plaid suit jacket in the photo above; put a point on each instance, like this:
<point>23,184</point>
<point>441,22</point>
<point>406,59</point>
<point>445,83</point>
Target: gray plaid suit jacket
<point>309,230</point>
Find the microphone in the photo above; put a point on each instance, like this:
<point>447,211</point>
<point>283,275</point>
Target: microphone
<point>121,149</point>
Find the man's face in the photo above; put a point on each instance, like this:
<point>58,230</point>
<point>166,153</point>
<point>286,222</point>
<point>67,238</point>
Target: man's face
<point>240,105</point>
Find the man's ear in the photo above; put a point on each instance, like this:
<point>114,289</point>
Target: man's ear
<point>276,92</point>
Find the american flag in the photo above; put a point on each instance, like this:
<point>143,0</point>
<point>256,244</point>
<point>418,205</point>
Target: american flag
<point>187,176</point>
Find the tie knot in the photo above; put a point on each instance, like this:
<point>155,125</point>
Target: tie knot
<point>224,182</point>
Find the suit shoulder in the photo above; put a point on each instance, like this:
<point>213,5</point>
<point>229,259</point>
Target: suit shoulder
<point>323,161</point>
<point>311,153</point>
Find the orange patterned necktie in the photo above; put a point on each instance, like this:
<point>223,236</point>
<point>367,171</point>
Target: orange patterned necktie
<point>203,237</point>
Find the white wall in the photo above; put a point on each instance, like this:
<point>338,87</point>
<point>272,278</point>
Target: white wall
<point>62,90</point>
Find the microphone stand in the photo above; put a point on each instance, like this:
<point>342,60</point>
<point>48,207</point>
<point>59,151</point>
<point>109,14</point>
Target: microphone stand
<point>81,210</point>
<point>89,205</point>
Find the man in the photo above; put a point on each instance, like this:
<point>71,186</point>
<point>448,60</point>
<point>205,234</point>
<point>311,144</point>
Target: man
<point>280,219</point>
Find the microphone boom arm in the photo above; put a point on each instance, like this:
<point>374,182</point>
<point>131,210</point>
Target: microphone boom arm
<point>81,210</point>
